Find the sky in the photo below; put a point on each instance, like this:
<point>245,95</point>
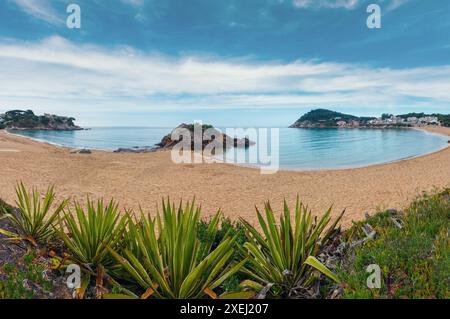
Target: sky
<point>225,62</point>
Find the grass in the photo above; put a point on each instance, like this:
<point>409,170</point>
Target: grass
<point>414,260</point>
<point>23,282</point>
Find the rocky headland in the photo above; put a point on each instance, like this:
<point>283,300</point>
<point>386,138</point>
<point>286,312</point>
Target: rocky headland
<point>322,118</point>
<point>27,120</point>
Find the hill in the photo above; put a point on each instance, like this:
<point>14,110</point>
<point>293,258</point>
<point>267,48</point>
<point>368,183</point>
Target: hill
<point>326,118</point>
<point>18,119</point>
<point>322,118</point>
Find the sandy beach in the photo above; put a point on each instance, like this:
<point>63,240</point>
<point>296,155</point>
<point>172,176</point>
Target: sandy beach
<point>144,179</point>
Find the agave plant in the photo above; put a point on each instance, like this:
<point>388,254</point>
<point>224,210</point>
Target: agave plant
<point>166,259</point>
<point>88,234</point>
<point>34,219</point>
<point>283,256</point>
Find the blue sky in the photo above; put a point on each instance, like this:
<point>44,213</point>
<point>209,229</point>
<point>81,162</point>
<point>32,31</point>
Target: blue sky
<point>227,62</point>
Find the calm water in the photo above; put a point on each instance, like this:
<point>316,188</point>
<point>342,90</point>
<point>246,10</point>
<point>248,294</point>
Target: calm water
<point>299,148</point>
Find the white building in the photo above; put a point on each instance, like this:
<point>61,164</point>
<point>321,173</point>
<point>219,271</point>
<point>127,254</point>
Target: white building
<point>429,120</point>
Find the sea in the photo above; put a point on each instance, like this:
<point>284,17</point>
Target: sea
<point>297,149</point>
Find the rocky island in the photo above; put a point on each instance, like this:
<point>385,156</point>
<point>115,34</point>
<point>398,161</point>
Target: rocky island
<point>214,135</point>
<point>168,142</point>
<point>27,120</point>
<point>322,118</point>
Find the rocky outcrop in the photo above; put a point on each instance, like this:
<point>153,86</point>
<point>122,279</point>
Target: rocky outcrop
<point>309,124</point>
<point>214,135</point>
<point>136,149</point>
<point>27,120</point>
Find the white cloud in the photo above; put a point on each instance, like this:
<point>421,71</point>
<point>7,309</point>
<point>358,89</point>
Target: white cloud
<point>40,9</point>
<point>332,4</point>
<point>56,72</point>
<point>394,4</point>
<point>389,5</point>
<point>136,3</point>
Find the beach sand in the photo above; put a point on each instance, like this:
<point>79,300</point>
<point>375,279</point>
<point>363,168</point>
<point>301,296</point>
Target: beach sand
<point>143,179</point>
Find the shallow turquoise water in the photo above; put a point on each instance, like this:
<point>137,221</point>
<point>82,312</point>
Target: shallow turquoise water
<point>299,148</point>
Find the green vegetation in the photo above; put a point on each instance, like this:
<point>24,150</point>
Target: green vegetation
<point>4,208</point>
<point>90,234</point>
<point>18,281</point>
<point>28,120</point>
<point>285,255</point>
<point>444,119</point>
<point>203,127</point>
<point>326,117</point>
<point>226,228</point>
<point>167,260</point>
<point>20,118</point>
<point>177,255</point>
<point>33,220</point>
<point>414,260</point>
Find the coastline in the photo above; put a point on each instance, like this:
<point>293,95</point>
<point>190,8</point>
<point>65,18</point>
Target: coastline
<point>146,178</point>
<point>437,130</point>
<point>440,131</point>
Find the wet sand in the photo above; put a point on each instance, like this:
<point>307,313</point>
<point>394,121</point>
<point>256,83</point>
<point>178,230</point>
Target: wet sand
<point>143,179</point>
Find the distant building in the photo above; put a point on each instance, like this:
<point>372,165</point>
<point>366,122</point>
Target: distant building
<point>341,123</point>
<point>429,120</point>
<point>395,120</point>
<point>376,121</point>
<point>412,120</point>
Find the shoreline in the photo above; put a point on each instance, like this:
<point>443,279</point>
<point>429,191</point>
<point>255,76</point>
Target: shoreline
<point>144,179</point>
<point>434,130</point>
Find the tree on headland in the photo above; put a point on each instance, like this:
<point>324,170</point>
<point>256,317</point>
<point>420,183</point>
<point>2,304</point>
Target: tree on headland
<point>28,120</point>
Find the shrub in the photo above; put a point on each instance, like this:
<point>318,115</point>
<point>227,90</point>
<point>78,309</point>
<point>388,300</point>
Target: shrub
<point>226,228</point>
<point>282,257</point>
<point>4,208</point>
<point>33,220</point>
<point>167,260</point>
<point>90,233</point>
